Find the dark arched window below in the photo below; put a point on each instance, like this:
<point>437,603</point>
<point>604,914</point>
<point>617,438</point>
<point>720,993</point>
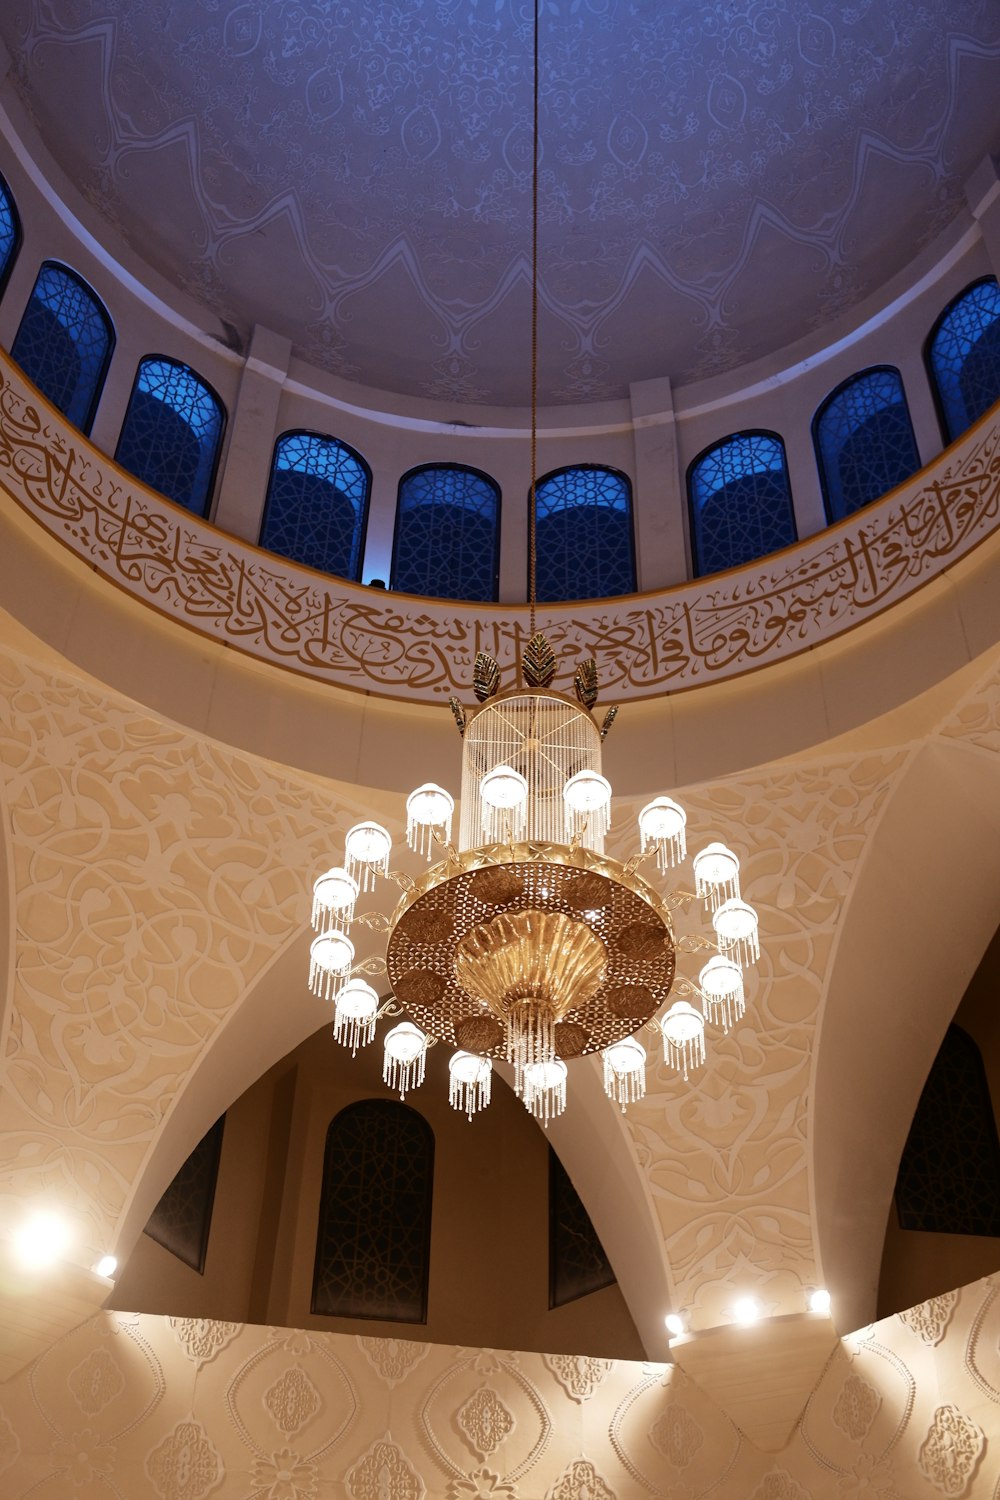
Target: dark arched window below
<point>741,501</point>
<point>172,432</point>
<point>577,1262</point>
<point>373,1241</point>
<point>584,534</point>
<point>10,232</point>
<point>949,1173</point>
<point>182,1219</point>
<point>864,441</point>
<point>447,541</point>
<point>963,357</point>
<point>317,503</point>
<point>64,343</point>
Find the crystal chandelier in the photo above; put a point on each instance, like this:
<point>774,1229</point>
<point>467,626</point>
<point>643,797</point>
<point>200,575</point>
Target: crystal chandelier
<point>526,941</point>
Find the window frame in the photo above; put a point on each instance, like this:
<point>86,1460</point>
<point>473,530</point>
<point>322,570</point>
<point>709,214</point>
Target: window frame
<point>589,468</point>
<point>179,364</point>
<point>742,432</point>
<point>464,469</point>
<point>364,466</point>
<point>18,241</point>
<point>928,350</point>
<point>105,316</point>
<point>814,428</point>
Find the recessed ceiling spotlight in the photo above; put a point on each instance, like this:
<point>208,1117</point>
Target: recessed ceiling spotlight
<point>106,1266</point>
<point>819,1300</point>
<point>746,1310</point>
<point>41,1240</point>
<point>675,1325</point>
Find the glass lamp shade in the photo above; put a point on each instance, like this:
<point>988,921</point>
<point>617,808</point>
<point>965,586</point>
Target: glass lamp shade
<point>504,795</point>
<point>721,985</point>
<point>735,926</point>
<point>428,808</point>
<point>469,1079</point>
<point>543,1089</point>
<point>330,958</point>
<point>662,825</point>
<point>355,1016</point>
<point>683,1030</point>
<point>334,895</point>
<point>404,1057</point>
<point>368,846</point>
<point>625,1071</point>
<point>587,797</point>
<point>716,874</point>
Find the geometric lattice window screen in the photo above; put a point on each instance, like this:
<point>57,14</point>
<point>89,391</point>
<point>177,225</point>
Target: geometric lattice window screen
<point>741,501</point>
<point>447,542</point>
<point>373,1241</point>
<point>864,441</point>
<point>949,1173</point>
<point>963,356</point>
<point>317,503</point>
<point>172,432</point>
<point>181,1220</point>
<point>577,1262</point>
<point>10,232</point>
<point>64,343</point>
<point>583,528</point>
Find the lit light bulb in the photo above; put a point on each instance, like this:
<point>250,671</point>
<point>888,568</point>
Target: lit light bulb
<point>334,895</point>
<point>106,1266</point>
<point>469,1082</point>
<point>41,1240</point>
<point>721,985</point>
<point>404,1057</point>
<point>428,808</point>
<point>368,846</point>
<point>587,797</point>
<point>683,1030</point>
<point>355,1016</point>
<point>819,1300</point>
<point>330,958</point>
<point>675,1325</point>
<point>543,1089</point>
<point>716,874</point>
<point>504,795</point>
<point>735,926</point>
<point>746,1311</point>
<point>625,1071</point>
<point>662,823</point>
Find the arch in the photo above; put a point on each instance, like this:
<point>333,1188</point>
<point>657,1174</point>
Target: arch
<point>172,432</point>
<point>316,509</point>
<point>64,342</point>
<point>447,537</point>
<point>864,440</point>
<point>949,1174</point>
<point>740,501</point>
<point>583,524</point>
<point>373,1238</point>
<point>962,355</point>
<point>10,232</point>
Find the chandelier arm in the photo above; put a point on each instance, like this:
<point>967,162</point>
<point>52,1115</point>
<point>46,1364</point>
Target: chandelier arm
<point>692,942</point>
<point>632,864</point>
<point>376,921</point>
<point>401,879</point>
<point>369,966</point>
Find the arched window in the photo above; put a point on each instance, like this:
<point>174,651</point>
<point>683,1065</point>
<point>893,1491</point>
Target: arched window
<point>10,232</point>
<point>864,440</point>
<point>577,1262</point>
<point>182,1219</point>
<point>64,342</point>
<point>172,432</point>
<point>317,503</point>
<point>949,1174</point>
<point>373,1241</point>
<point>741,501</point>
<point>583,530</point>
<point>963,356</point>
<point>447,541</point>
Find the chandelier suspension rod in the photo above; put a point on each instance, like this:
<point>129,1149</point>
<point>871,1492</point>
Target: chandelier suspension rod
<point>534,321</point>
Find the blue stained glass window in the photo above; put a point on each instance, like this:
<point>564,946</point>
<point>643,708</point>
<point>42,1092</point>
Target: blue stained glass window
<point>741,501</point>
<point>64,343</point>
<point>864,441</point>
<point>963,355</point>
<point>583,531</point>
<point>10,232</point>
<point>172,432</point>
<point>447,541</point>
<point>373,1239</point>
<point>317,503</point>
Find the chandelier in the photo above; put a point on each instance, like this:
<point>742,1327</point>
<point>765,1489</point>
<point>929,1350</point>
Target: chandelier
<point>525,941</point>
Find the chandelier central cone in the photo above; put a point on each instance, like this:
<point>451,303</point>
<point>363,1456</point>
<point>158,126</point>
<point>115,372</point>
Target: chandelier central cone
<point>530,968</point>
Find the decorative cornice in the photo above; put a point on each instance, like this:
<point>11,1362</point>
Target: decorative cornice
<point>398,646</point>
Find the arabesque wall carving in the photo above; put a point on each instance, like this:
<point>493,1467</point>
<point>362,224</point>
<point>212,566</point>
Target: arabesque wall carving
<point>122,1407</point>
<point>705,631</point>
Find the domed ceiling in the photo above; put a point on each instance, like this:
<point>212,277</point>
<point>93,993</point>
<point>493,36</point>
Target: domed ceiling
<point>717,179</point>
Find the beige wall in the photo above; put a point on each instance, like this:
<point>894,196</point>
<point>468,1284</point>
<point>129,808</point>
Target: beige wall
<point>489,1236</point>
